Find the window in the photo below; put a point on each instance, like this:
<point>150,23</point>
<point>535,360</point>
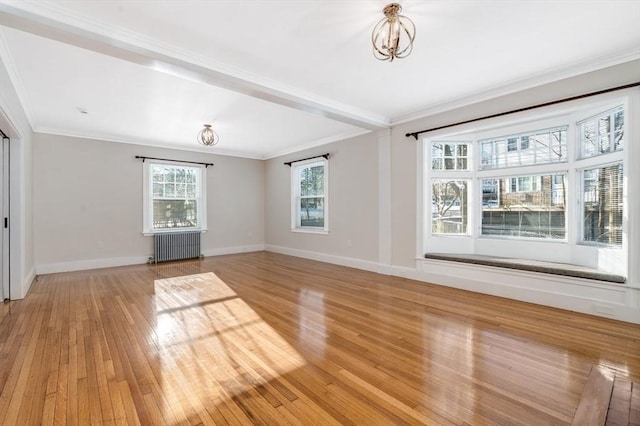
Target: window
<point>449,156</point>
<point>309,200</point>
<point>602,205</point>
<point>541,189</point>
<point>527,208</point>
<point>538,147</point>
<point>602,134</point>
<point>174,197</point>
<point>450,206</point>
<point>524,184</point>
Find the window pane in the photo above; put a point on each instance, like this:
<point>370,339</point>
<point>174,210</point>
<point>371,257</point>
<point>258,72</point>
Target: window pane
<point>602,134</point>
<point>158,190</point>
<point>490,193</point>
<point>449,156</point>
<point>618,139</point>
<point>449,164</point>
<point>169,189</point>
<point>540,147</point>
<point>311,212</point>
<point>180,190</point>
<point>449,206</point>
<point>603,202</point>
<point>487,155</point>
<point>312,180</point>
<point>174,214</point>
<point>191,191</point>
<point>524,206</point>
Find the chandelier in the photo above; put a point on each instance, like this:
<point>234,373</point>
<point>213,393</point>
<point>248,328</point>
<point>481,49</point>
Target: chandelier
<point>393,36</point>
<point>207,136</point>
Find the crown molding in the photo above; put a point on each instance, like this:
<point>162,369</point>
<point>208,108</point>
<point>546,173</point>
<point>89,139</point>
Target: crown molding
<point>520,85</point>
<point>198,148</point>
<point>51,21</point>
<point>150,143</point>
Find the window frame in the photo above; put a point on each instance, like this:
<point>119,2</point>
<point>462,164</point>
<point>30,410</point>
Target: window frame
<point>296,167</point>
<point>572,249</point>
<point>148,198</point>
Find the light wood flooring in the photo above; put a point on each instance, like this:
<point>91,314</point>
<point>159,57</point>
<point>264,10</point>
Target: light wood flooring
<point>262,338</point>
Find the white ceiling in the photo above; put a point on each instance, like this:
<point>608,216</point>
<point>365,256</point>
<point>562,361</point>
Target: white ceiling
<point>277,76</point>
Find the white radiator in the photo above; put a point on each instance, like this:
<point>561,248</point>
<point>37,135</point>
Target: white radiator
<point>176,246</point>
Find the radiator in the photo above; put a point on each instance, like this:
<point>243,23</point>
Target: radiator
<point>176,246</point>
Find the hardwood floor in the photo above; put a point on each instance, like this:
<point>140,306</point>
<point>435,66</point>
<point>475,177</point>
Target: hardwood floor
<point>269,339</point>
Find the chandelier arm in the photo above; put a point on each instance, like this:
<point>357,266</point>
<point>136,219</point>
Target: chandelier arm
<point>401,54</point>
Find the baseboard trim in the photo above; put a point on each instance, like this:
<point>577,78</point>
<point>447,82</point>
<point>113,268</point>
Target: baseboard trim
<point>83,265</point>
<point>233,250</point>
<point>351,262</point>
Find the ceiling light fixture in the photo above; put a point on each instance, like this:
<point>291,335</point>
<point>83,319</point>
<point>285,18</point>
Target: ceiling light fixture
<point>207,136</point>
<point>393,36</point>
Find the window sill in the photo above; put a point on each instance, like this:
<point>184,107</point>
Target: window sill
<point>310,231</point>
<point>174,231</point>
<point>530,265</point>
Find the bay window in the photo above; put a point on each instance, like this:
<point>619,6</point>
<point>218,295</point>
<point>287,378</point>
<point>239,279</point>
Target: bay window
<point>549,189</point>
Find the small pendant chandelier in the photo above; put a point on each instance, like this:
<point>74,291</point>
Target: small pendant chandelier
<point>207,136</point>
<point>393,36</point>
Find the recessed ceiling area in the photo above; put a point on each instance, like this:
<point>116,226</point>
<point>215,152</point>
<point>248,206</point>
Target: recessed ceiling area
<point>278,76</point>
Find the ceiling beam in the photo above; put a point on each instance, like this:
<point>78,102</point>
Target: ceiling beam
<point>74,34</point>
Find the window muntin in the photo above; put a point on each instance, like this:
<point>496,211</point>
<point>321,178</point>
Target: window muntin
<point>602,134</point>
<point>538,147</point>
<point>602,205</point>
<point>174,197</point>
<point>449,206</point>
<point>524,206</point>
<point>449,156</point>
<point>309,201</point>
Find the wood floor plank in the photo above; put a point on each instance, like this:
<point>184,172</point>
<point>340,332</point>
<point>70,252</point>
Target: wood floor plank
<point>263,338</point>
<point>620,403</point>
<point>594,403</point>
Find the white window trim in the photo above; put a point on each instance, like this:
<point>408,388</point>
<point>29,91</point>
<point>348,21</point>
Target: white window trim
<point>295,186</point>
<point>571,250</point>
<point>147,198</point>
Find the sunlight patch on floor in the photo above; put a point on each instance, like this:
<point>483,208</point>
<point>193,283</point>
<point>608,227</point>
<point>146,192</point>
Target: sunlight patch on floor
<point>212,346</point>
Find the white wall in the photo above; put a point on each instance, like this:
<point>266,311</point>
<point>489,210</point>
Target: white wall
<point>88,203</point>
<point>13,121</point>
<point>353,205</point>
